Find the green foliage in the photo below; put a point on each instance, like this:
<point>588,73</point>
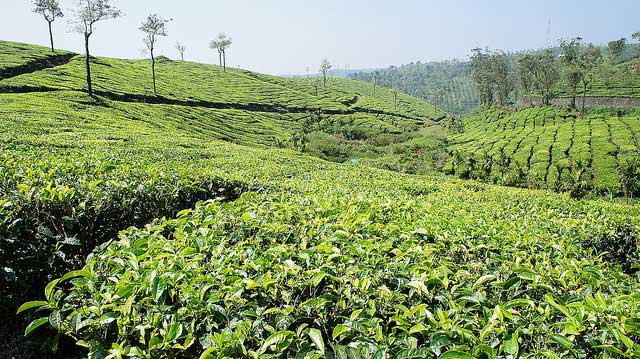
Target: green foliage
<point>250,251</point>
<point>338,271</point>
<point>553,149</point>
<point>446,84</point>
<point>630,177</point>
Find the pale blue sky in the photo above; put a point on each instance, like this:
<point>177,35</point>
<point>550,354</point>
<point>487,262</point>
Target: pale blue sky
<point>285,36</point>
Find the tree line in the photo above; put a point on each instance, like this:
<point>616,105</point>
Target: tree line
<point>87,13</point>
<point>448,85</point>
<point>502,78</point>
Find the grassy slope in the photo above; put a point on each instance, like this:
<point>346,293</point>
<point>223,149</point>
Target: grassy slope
<point>544,141</point>
<point>208,83</point>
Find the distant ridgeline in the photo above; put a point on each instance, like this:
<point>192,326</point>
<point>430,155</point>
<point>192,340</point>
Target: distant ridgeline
<point>446,84</point>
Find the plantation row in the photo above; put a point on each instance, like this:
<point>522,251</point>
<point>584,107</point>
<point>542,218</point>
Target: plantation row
<point>303,257</point>
<point>547,148</point>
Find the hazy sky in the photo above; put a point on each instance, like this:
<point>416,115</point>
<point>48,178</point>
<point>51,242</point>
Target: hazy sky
<point>286,36</point>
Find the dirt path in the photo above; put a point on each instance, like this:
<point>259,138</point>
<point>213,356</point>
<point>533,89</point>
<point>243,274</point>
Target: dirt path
<point>590,101</point>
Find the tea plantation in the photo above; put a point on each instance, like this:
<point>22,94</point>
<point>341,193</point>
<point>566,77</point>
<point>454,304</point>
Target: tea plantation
<point>548,148</point>
<point>170,227</point>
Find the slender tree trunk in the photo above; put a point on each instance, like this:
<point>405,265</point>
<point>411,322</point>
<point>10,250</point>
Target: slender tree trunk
<point>51,37</point>
<point>573,97</point>
<point>220,57</point>
<point>153,72</point>
<point>88,64</point>
<point>224,61</point>
<point>181,56</point>
<point>584,98</point>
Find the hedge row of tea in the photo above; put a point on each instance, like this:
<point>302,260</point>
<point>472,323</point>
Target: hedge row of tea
<point>17,58</point>
<point>547,148</point>
<point>317,259</point>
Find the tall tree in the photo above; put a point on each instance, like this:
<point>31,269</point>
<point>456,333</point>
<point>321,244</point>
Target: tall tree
<point>527,67</point>
<point>181,50</point>
<point>88,13</point>
<point>481,64</point>
<point>325,67</point>
<point>615,49</point>
<point>547,74</point>
<point>571,53</point>
<point>588,62</point>
<point>500,72</point>
<point>376,76</point>
<point>221,43</point>
<point>50,10</point>
<point>153,27</point>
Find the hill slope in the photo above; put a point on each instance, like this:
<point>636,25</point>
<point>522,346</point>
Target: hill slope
<point>243,251</point>
<point>547,148</point>
<point>339,121</point>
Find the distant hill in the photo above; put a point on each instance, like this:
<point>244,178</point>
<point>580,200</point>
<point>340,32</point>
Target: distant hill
<point>447,84</point>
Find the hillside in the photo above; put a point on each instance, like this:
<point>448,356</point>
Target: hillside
<point>160,237</point>
<point>548,148</point>
<point>339,121</point>
<point>619,81</point>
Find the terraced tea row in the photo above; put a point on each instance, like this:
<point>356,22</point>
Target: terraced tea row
<point>546,148</point>
<point>327,259</point>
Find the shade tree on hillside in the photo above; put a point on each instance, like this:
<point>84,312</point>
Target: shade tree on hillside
<point>181,50</point>
<point>547,74</point>
<point>480,62</point>
<point>221,43</point>
<point>501,73</point>
<point>570,59</point>
<point>493,73</point>
<point>589,60</point>
<point>497,78</point>
<point>153,27</point>
<point>526,67</point>
<point>87,14</point>
<point>325,67</point>
<point>50,10</point>
<point>615,49</point>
